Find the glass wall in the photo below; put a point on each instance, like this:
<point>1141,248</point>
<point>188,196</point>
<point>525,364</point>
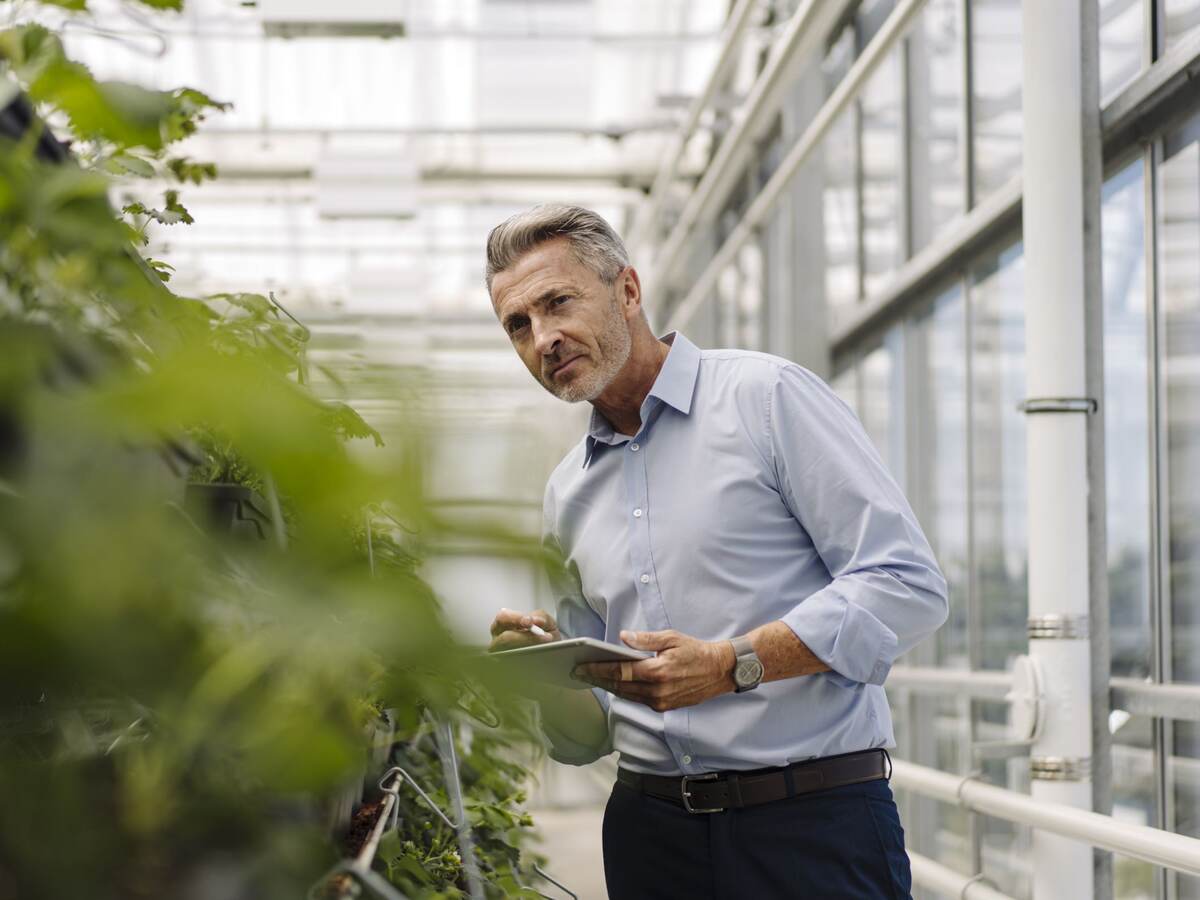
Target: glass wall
<point>995,92</point>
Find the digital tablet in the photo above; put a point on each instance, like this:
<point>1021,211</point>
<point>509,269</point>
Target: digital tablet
<point>553,662</point>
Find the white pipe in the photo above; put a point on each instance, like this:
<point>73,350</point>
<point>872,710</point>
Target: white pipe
<point>1056,445</point>
<point>801,36</point>
<point>936,877</point>
<point>892,31</point>
<point>731,41</point>
<point>1152,845</point>
<point>930,680</point>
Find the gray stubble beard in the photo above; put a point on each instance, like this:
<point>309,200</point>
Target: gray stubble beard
<point>615,344</point>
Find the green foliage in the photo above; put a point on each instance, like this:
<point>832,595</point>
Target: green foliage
<point>421,856</point>
<point>174,703</point>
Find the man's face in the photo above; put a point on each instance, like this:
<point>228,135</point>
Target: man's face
<point>567,325</point>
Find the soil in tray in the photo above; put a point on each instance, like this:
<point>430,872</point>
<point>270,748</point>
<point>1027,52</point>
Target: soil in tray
<point>360,828</point>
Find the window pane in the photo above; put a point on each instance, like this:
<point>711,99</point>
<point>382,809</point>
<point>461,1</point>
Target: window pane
<point>1134,790</point>
<point>940,445</point>
<point>883,405</point>
<point>996,92</point>
<point>845,385</point>
<point>998,448</point>
<point>1183,18</point>
<point>1126,421</point>
<point>839,195</point>
<point>1179,246</point>
<point>935,113</point>
<point>1122,34</point>
<point>881,156</point>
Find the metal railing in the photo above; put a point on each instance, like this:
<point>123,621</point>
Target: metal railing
<point>1152,845</point>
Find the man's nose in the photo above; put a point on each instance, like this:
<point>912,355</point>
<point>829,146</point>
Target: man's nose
<point>546,338</point>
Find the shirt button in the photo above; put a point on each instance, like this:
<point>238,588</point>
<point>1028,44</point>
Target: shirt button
<point>637,513</point>
<point>635,447</point>
<point>687,760</point>
<point>645,579</point>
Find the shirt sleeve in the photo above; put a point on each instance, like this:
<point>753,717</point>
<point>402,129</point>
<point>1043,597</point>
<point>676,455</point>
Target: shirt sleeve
<point>886,592</point>
<point>575,618</point>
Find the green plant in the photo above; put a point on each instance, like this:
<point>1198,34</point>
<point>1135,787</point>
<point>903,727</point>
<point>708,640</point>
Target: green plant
<point>175,705</point>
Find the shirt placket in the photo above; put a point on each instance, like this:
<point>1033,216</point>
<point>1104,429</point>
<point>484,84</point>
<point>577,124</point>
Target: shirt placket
<point>645,579</point>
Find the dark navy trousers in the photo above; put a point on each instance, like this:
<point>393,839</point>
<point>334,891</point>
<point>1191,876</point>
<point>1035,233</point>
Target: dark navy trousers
<point>842,844</point>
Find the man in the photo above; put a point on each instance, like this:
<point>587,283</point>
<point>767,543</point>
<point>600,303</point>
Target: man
<point>727,511</point>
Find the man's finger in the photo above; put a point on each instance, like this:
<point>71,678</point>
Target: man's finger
<point>617,671</point>
<point>650,640</point>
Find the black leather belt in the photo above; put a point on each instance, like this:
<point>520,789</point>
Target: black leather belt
<point>719,791</point>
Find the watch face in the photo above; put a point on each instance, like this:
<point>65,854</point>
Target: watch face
<point>749,671</point>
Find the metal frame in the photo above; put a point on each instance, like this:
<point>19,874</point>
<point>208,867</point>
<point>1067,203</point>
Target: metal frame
<point>1152,845</point>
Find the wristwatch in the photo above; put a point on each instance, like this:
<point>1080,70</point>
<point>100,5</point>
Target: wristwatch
<point>747,669</point>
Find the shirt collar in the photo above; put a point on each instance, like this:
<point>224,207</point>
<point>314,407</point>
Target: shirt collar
<point>674,386</point>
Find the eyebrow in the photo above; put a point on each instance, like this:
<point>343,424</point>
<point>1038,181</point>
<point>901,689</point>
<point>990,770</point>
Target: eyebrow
<point>543,298</point>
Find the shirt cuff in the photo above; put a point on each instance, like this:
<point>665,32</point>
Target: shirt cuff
<point>844,636</point>
<point>570,752</point>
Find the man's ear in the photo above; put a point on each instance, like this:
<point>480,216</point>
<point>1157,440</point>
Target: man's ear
<point>630,288</point>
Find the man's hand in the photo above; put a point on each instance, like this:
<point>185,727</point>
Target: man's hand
<point>685,672</point>
<point>512,629</point>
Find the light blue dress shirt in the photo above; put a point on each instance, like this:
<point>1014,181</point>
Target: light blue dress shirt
<point>750,494</point>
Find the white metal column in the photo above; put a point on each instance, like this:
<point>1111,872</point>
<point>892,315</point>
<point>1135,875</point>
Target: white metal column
<point>1057,254</point>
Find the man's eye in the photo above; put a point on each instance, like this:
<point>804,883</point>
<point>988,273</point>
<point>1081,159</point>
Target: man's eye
<point>559,301</point>
<point>516,325</point>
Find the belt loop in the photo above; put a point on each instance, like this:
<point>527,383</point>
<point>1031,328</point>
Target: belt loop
<point>735,789</point>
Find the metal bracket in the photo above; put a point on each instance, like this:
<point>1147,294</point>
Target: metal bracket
<point>1035,405</point>
<point>1057,627</point>
<point>1060,768</point>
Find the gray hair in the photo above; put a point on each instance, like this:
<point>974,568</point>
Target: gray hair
<point>593,241</point>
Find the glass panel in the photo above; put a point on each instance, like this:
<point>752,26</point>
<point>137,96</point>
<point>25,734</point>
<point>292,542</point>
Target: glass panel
<point>839,193</point>
<point>1134,789</point>
<point>845,385</point>
<point>940,445</point>
<point>1122,34</point>
<point>1126,421</point>
<point>1179,246</point>
<point>935,102</point>
<point>883,406</point>
<point>1005,846</point>
<point>1183,18</point>
<point>998,449</point>
<point>881,156</point>
<point>996,92</point>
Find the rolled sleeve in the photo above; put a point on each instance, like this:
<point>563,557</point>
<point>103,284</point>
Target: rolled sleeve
<point>886,591</point>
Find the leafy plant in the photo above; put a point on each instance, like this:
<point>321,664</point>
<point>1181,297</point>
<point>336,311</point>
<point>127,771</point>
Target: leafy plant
<point>175,704</point>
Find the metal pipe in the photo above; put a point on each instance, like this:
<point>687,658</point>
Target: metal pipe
<point>801,36</point>
<point>731,42</point>
<point>892,31</point>
<point>942,880</point>
<point>957,682</point>
<point>1152,845</point>
<point>1058,251</point>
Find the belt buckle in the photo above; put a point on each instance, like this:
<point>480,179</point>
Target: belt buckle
<point>687,795</point>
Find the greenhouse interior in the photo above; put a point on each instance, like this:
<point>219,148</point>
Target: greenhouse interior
<point>284,450</point>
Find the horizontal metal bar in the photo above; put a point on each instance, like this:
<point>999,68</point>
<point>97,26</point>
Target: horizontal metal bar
<point>1152,845</point>
<point>1143,108</point>
<point>1161,92</point>
<point>949,883</point>
<point>1139,698</point>
<point>1144,698</point>
<point>999,214</point>
<point>955,682</point>
<point>893,30</point>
